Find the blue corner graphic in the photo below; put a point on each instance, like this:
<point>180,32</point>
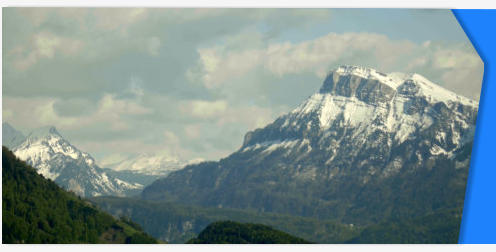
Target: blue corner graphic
<point>479,213</point>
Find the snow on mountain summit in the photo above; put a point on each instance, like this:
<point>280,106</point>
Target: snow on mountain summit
<point>363,95</point>
<point>150,164</point>
<point>55,158</point>
<point>398,81</point>
<point>368,73</point>
<point>43,143</point>
<point>365,101</point>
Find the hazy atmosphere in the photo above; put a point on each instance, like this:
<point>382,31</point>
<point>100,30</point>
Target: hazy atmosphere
<point>189,83</point>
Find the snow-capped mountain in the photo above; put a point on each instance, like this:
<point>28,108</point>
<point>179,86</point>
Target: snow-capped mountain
<point>145,168</point>
<point>149,164</point>
<point>367,146</point>
<point>10,136</point>
<point>55,158</point>
<point>373,110</point>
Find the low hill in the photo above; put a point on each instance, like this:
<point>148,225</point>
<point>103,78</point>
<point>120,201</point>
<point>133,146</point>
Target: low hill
<point>230,232</point>
<point>36,210</point>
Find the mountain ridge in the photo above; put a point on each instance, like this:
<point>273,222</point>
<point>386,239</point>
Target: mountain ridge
<point>395,80</point>
<point>344,153</point>
<point>57,159</point>
<point>149,164</point>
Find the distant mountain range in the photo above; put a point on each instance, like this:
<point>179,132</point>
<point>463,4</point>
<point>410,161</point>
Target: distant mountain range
<point>145,168</point>
<point>367,147</point>
<point>148,164</point>
<point>57,159</point>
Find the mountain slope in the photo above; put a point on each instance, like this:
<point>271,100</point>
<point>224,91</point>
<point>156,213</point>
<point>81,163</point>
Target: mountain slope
<point>366,148</point>
<point>55,158</point>
<point>230,232</point>
<point>36,210</point>
<point>440,227</point>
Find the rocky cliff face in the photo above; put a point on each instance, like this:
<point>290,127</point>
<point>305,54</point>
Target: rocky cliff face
<point>366,147</point>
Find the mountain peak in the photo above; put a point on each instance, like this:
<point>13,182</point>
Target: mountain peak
<point>365,83</point>
<point>43,132</point>
<point>357,70</point>
<point>57,159</point>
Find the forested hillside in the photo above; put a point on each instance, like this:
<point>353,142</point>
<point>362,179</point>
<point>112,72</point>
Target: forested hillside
<point>36,210</point>
<point>443,226</point>
<point>177,223</point>
<point>230,232</point>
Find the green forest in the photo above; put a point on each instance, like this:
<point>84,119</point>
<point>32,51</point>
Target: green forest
<point>178,223</point>
<point>36,210</point>
<point>443,226</point>
<point>230,232</point>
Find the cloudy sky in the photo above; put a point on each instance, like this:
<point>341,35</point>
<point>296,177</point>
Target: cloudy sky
<point>189,83</point>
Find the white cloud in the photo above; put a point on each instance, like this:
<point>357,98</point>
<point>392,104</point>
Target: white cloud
<point>40,111</point>
<point>205,109</point>
<point>44,45</point>
<point>192,131</point>
<point>112,159</point>
<point>126,147</point>
<point>171,138</point>
<point>448,58</point>
<point>243,61</point>
<point>220,65</point>
<point>250,116</point>
<point>98,32</point>
<point>33,111</point>
<point>117,18</point>
<point>154,44</point>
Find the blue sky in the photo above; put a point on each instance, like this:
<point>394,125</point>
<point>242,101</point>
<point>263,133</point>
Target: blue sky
<point>189,83</point>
